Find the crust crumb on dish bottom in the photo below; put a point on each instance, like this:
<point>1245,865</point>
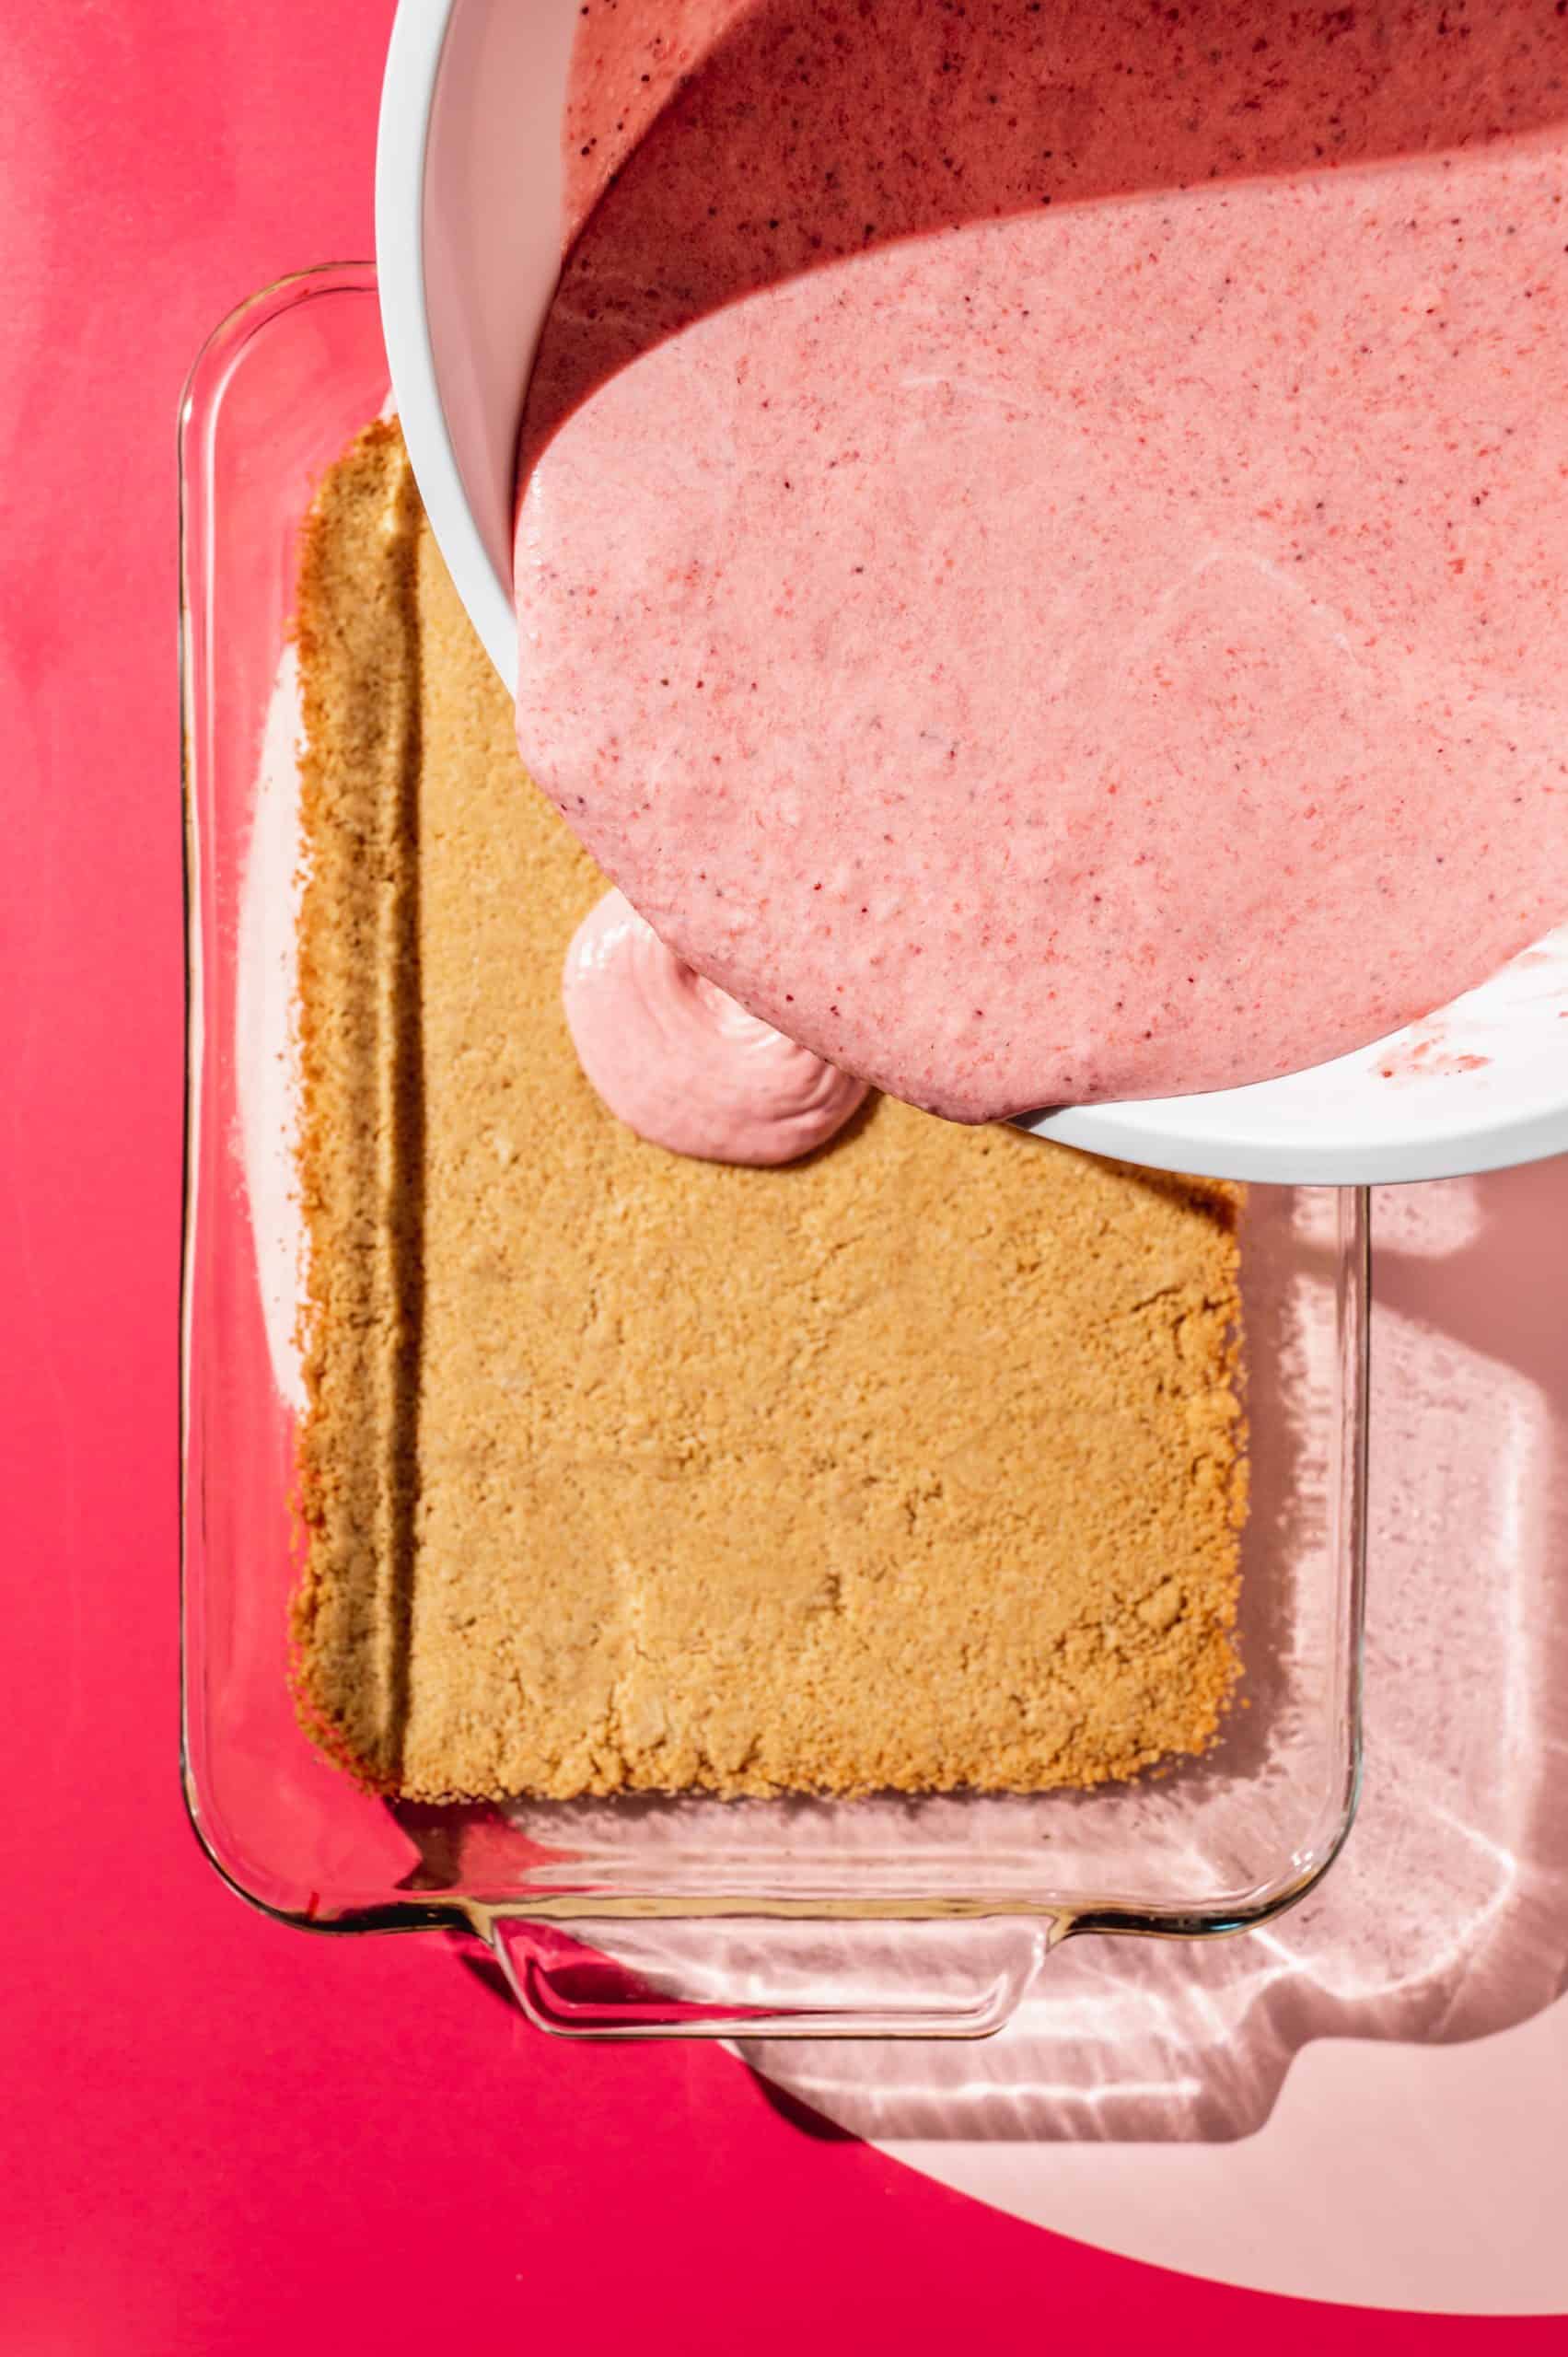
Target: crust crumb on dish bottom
<point>914,1465</point>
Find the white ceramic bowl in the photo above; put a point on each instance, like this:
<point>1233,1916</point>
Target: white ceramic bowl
<point>469,231</point>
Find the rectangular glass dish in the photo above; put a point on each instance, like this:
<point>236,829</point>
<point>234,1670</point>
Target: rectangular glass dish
<point>641,1916</point>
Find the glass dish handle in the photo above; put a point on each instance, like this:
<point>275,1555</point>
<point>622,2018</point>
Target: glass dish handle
<point>770,1976</point>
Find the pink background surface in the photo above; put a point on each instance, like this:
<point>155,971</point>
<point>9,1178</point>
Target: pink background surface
<point>222,2135</point>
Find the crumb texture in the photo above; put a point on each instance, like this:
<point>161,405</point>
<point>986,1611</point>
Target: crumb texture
<point>914,1466</point>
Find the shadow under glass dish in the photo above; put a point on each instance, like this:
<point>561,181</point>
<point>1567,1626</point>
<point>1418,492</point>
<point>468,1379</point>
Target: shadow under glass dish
<point>687,1916</point>
<point>1446,1921</point>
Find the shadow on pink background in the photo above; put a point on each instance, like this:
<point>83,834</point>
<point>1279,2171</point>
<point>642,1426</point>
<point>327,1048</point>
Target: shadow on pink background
<point>1447,1918</point>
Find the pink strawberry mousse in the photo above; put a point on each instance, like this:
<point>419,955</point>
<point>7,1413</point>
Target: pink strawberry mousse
<point>1105,651</point>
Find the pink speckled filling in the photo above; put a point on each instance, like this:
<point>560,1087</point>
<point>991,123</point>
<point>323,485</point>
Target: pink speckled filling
<point>681,1061</point>
<point>1100,649</point>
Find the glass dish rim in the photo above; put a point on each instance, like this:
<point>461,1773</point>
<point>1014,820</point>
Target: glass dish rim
<point>462,1911</point>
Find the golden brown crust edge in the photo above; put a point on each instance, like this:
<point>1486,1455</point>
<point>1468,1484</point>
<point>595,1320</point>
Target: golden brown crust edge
<point>357,635</point>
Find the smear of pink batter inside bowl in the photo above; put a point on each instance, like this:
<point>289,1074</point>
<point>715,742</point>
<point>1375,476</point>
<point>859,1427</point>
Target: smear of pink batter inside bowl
<point>1044,547</point>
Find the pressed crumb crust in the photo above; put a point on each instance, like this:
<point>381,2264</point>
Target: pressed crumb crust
<point>914,1466</point>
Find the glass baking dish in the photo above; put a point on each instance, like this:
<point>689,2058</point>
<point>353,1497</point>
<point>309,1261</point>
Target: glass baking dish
<point>644,1916</point>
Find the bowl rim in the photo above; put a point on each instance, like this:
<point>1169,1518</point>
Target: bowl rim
<point>1038,1916</point>
<point>407,99</point>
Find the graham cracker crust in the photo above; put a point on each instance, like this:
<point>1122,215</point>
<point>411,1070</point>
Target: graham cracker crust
<point>914,1465</point>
